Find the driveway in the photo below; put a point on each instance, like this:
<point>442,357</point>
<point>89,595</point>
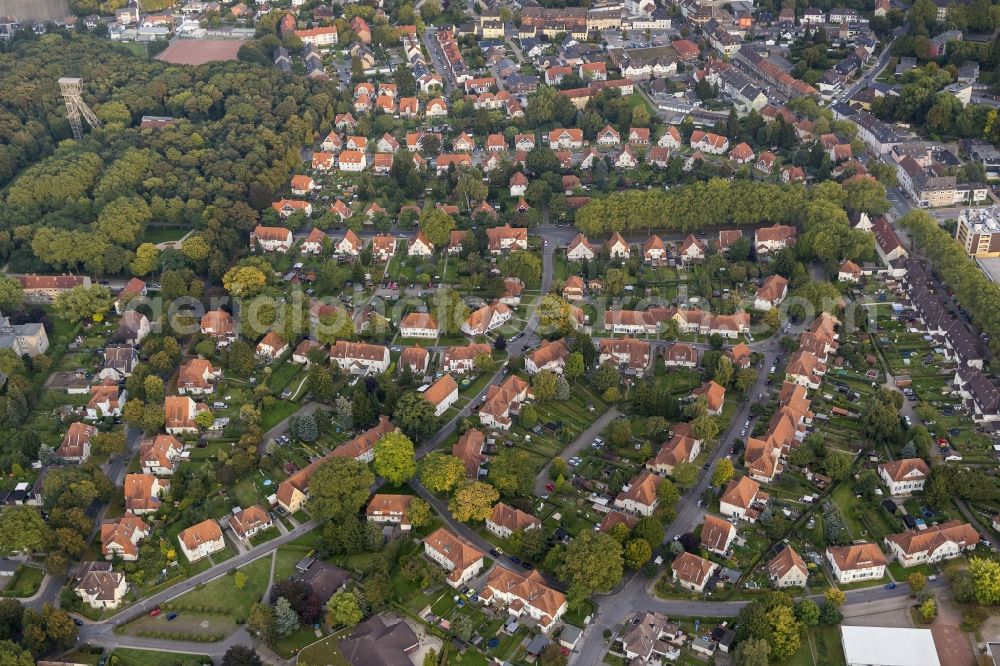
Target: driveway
<point>580,443</point>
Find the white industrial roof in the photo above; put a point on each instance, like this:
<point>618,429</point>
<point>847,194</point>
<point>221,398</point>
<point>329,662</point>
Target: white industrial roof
<point>888,646</point>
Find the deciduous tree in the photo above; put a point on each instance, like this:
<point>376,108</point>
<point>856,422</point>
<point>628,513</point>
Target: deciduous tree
<point>339,488</point>
<point>395,459</point>
<point>473,501</point>
<point>441,472</point>
<point>343,609</point>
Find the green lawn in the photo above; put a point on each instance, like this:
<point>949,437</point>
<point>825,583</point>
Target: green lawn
<point>221,594</point>
<point>280,411</point>
<point>829,650</point>
<point>25,582</point>
<point>322,653</point>
<point>283,374</point>
<point>288,557</point>
<point>286,646</point>
<point>132,657</point>
<point>164,234</point>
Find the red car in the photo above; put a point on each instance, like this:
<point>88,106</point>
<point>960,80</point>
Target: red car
<point>154,612</point>
<point>550,487</point>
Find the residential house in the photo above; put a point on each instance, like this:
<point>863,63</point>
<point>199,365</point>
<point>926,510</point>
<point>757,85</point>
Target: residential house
<point>249,521</point>
<point>887,243</point>
<point>715,397</point>
<point>580,249</point>
<point>457,556</point>
<point>771,293</point>
<point>549,355</point>
<point>692,572</point>
<point>360,358</point>
<point>45,288</point>
<point>180,412</point>
<point>101,588</point>
<point>201,540</point>
<point>120,538</point>
<point>469,448</point>
<point>573,288</point>
<point>507,238</point>
<point>849,272</point>
<point>119,361</point>
<point>932,544</point>
<point>505,520</point>
<point>707,142</point>
<point>142,493</point>
<point>630,355</point>
<point>691,250</point>
<point>197,377</point>
<point>419,325</point>
<point>566,139</point>
<point>524,595</point>
<point>270,347</point>
<point>739,354</point>
<point>640,495</point>
<point>518,184</point>
<point>416,358</point>
<point>775,237</point>
<point>383,247</point>
<point>293,491</point>
<point>300,354</point>
<point>106,399</point>
<point>504,401</point>
<point>766,161</point>
<point>905,476</point>
<point>420,246</point>
<point>618,247</point>
<point>717,535</point>
<point>75,446</point>
<point>133,289</point>
<point>271,239</point>
<point>680,448</point>
<point>742,154</point>
<point>654,250</point>
<point>375,643</point>
<point>859,561</point>
<point>647,638</point>
<point>386,509</point>
<point>680,355</point>
<point>442,394</point>
<point>787,569</point>
<point>219,324</point>
<point>486,319</point>
<point>805,368</point>
<point>133,328</point>
<point>743,499</point>
<point>459,360</point>
<point>353,161</point>
<point>160,455</point>
<point>671,138</point>
<point>638,136</point>
<point>608,136</point>
<point>313,243</point>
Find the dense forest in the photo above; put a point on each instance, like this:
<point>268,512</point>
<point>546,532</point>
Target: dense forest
<point>87,205</point>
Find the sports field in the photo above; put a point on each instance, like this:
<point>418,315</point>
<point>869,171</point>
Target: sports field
<point>200,51</point>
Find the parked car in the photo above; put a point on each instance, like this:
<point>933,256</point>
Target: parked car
<point>171,616</point>
<point>889,586</point>
<point>154,612</point>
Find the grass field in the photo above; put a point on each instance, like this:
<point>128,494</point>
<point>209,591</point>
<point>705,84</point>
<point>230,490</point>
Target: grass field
<point>161,234</point>
<point>322,653</point>
<point>221,595</point>
<point>24,582</point>
<point>281,410</point>
<point>132,657</point>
